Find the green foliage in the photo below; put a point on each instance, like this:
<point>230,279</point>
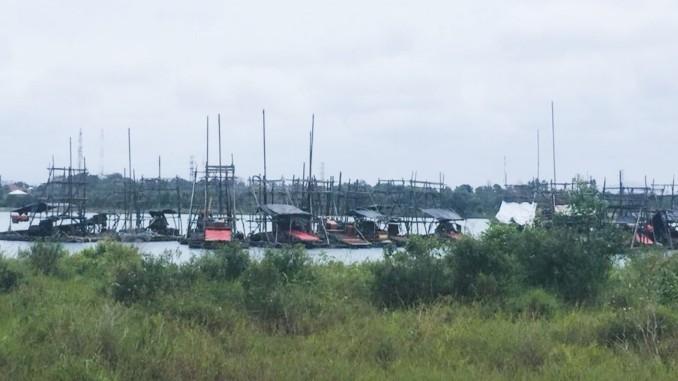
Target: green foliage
<point>291,263</point>
<point>102,260</point>
<point>567,262</point>
<point>411,276</point>
<point>278,289</point>
<point>480,268</point>
<point>8,277</point>
<point>226,263</point>
<point>44,257</point>
<point>482,201</point>
<point>286,317</point>
<point>587,209</point>
<point>535,304</point>
<point>561,261</point>
<point>649,277</point>
<point>142,281</point>
<point>651,330</point>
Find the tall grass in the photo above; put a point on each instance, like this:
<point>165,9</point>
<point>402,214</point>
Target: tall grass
<point>112,313</point>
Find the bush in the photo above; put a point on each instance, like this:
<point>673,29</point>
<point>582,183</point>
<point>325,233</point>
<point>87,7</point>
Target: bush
<point>280,290</point>
<point>8,277</point>
<point>292,263</point>
<point>647,329</point>
<point>411,276</point>
<point>658,275</point>
<point>480,268</point>
<point>562,260</point>
<point>535,304</point>
<point>141,281</point>
<point>103,260</point>
<point>226,263</point>
<point>44,257</point>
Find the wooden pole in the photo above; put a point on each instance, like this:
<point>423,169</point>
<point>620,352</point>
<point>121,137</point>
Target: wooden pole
<point>129,173</point>
<point>263,123</point>
<point>310,163</point>
<point>221,199</point>
<point>207,160</point>
<point>553,136</point>
<point>538,155</point>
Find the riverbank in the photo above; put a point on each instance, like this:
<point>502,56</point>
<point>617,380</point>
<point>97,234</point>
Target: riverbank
<point>470,310</point>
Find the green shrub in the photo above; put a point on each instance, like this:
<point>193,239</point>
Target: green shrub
<point>561,260</point>
<point>8,277</point>
<point>226,263</point>
<point>480,269</point>
<point>535,304</point>
<point>280,290</point>
<point>44,257</point>
<point>658,274</point>
<point>644,329</point>
<point>292,263</point>
<point>141,281</point>
<point>411,276</point>
<point>103,260</point>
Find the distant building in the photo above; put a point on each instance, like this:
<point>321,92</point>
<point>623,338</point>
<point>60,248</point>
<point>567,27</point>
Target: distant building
<point>17,193</point>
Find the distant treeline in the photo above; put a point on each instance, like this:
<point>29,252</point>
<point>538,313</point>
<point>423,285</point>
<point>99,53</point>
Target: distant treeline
<point>112,192</point>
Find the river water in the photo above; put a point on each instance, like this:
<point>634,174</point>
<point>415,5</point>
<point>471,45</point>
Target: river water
<point>182,253</point>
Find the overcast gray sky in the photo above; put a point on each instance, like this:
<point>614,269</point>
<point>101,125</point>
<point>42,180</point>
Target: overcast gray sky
<point>397,87</point>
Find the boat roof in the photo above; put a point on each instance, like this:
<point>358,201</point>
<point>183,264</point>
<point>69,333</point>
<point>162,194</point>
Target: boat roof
<point>155,213</point>
<point>283,210</point>
<point>442,214</point>
<point>672,215</point>
<point>367,213</point>
<point>37,207</point>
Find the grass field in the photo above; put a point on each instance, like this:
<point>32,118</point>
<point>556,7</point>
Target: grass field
<point>110,313</point>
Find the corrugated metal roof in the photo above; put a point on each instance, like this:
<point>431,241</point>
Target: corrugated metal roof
<point>283,210</point>
<point>367,213</point>
<point>442,214</point>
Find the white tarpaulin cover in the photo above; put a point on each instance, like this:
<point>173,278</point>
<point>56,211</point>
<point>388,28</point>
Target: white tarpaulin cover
<point>565,210</point>
<point>474,227</point>
<point>520,213</point>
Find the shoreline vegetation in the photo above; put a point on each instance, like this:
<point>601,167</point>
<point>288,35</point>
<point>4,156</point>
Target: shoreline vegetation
<point>540,303</point>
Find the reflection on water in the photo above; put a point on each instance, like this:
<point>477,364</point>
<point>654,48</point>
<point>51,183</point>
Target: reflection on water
<point>182,253</point>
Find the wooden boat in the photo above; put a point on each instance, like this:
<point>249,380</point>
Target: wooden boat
<point>290,225</point>
<point>445,221</point>
<point>345,234</point>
